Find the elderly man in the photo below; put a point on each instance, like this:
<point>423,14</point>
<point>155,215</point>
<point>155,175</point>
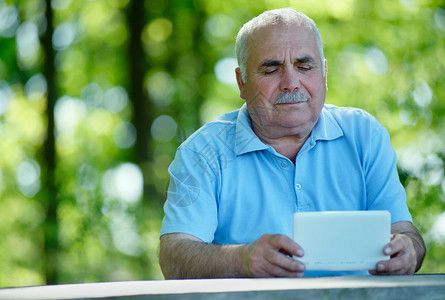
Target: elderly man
<point>236,182</point>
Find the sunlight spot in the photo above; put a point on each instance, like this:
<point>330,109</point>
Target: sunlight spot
<point>161,88</point>
<point>28,177</point>
<point>6,96</point>
<point>376,60</point>
<point>115,99</point>
<point>160,29</point>
<point>9,20</point>
<point>100,122</point>
<point>163,128</point>
<point>212,108</point>
<point>28,43</point>
<point>93,95</point>
<point>64,35</point>
<point>60,4</point>
<point>219,25</point>
<point>125,234</point>
<point>433,170</point>
<point>420,161</point>
<point>35,87</point>
<point>422,94</point>
<point>124,182</point>
<point>225,70</point>
<point>439,18</point>
<point>411,160</point>
<point>125,135</point>
<point>350,60</point>
<point>341,9</point>
<point>438,229</point>
<point>68,113</point>
<point>411,5</point>
<point>406,117</point>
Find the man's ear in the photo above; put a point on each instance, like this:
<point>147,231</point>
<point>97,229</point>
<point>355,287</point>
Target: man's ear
<point>326,73</point>
<point>239,80</point>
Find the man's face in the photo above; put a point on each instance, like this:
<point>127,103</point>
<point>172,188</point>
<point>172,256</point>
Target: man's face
<point>283,59</point>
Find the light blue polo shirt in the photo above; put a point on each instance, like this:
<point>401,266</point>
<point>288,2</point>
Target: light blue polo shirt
<point>228,187</point>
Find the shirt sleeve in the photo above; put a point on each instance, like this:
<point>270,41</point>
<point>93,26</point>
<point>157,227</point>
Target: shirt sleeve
<point>384,190</point>
<point>191,205</point>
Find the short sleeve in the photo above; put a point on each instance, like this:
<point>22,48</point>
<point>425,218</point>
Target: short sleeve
<point>384,190</point>
<point>191,205</point>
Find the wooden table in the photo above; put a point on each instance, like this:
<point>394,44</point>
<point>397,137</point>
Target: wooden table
<point>345,287</point>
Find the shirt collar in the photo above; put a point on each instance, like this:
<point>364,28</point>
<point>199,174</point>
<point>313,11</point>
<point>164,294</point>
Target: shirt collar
<point>326,128</point>
<point>245,139</point>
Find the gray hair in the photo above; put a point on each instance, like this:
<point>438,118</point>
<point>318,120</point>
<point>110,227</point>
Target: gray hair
<point>282,16</point>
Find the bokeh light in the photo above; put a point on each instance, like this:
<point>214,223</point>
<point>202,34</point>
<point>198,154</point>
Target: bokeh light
<point>163,128</point>
<point>28,177</point>
<point>124,182</point>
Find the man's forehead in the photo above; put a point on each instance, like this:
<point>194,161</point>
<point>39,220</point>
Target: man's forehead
<point>271,29</point>
<point>281,37</point>
<point>273,44</point>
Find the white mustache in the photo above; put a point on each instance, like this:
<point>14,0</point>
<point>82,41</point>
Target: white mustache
<point>293,97</point>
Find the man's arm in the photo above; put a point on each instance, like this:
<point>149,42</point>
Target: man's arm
<point>407,251</point>
<point>185,256</point>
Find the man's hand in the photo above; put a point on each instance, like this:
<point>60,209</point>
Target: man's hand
<point>271,256</point>
<point>406,249</point>
<point>184,256</point>
<point>403,257</point>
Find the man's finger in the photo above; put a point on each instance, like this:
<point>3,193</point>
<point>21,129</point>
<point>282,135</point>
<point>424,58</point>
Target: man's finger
<point>390,266</point>
<point>280,260</point>
<point>284,243</point>
<point>396,245</point>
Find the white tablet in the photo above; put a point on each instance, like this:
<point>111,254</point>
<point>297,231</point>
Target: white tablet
<point>342,240</point>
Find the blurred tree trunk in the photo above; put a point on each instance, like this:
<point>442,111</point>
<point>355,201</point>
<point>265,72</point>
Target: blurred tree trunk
<point>199,48</point>
<point>143,110</point>
<point>50,226</point>
<point>207,62</point>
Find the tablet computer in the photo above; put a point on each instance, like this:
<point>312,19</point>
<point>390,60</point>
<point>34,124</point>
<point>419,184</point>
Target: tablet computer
<point>342,240</point>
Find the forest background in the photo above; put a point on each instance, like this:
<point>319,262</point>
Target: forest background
<point>96,95</point>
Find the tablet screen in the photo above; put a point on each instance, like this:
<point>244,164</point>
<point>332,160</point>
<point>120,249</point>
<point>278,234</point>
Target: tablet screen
<point>342,240</point>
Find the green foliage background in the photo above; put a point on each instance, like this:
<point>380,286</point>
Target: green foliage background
<point>387,57</point>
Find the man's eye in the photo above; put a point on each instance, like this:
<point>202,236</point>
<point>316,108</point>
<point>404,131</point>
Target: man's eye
<point>270,72</point>
<point>305,68</point>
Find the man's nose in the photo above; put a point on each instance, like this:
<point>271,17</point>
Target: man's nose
<point>290,80</point>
